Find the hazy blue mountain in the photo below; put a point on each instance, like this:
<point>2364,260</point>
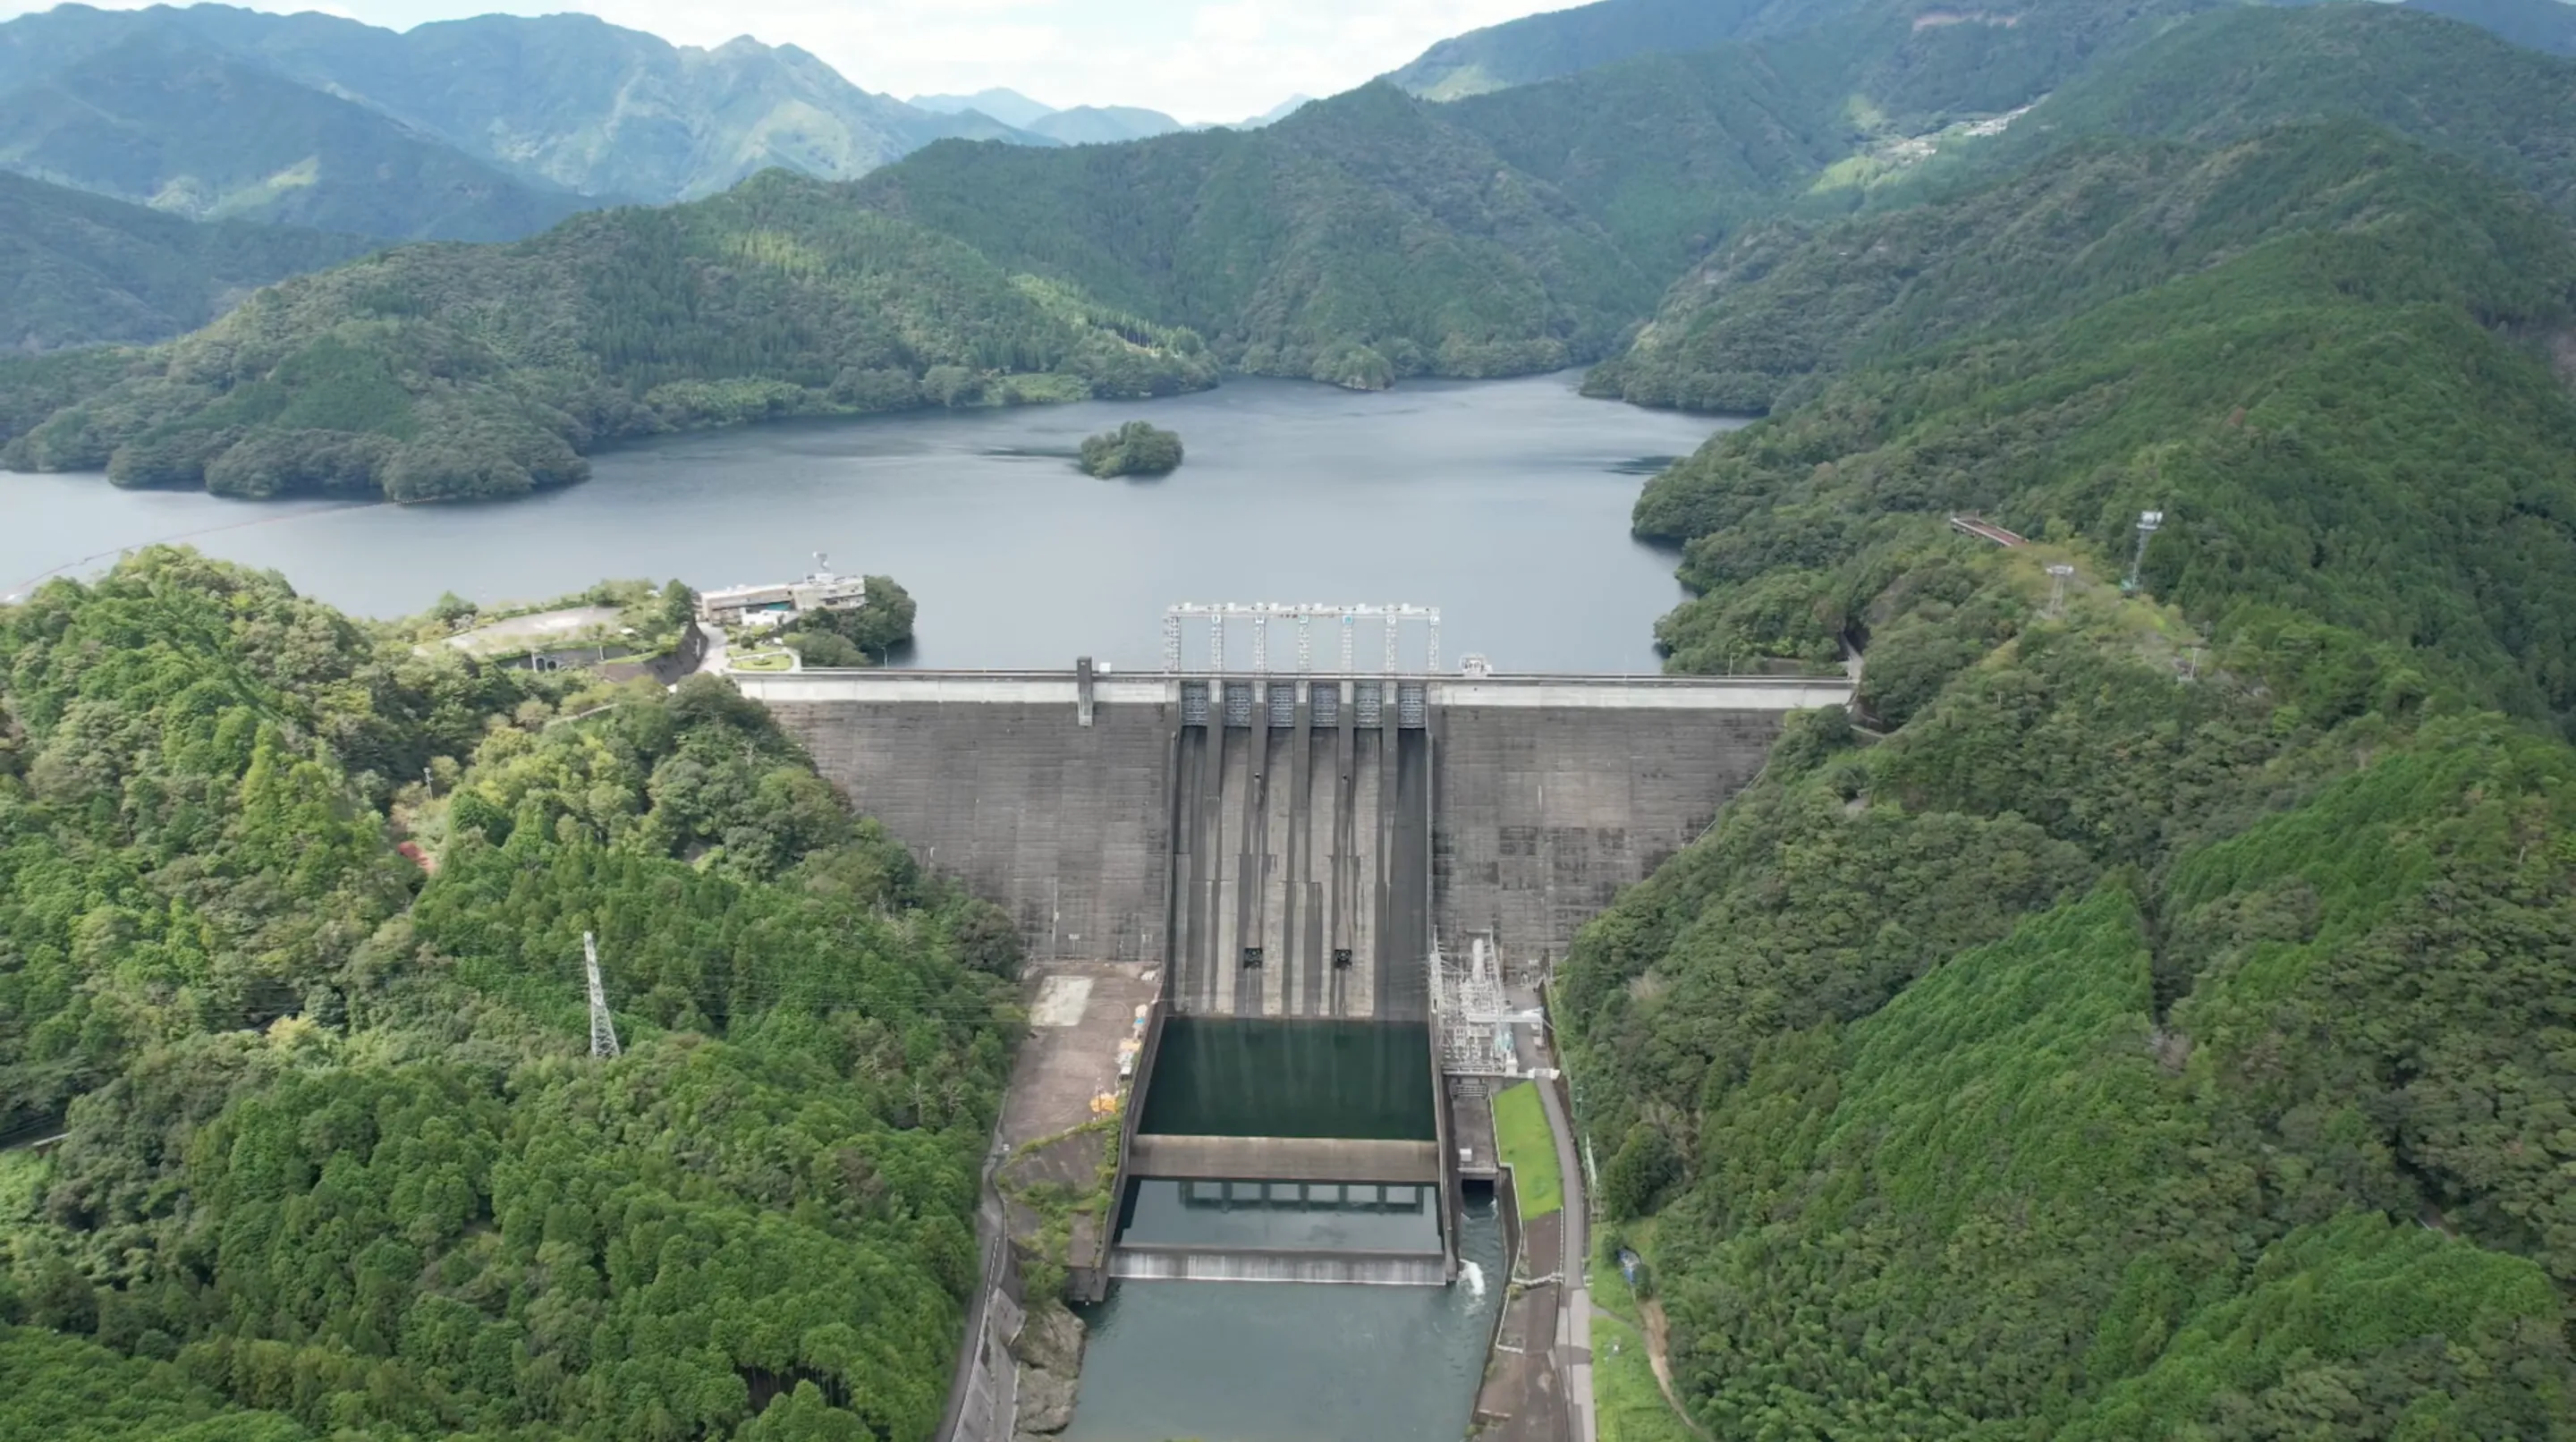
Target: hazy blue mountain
<point>1275,113</point>
<point>1103,124</point>
<point>1007,106</point>
<point>566,100</point>
<point>77,268</point>
<point>157,121</point>
<point>609,111</point>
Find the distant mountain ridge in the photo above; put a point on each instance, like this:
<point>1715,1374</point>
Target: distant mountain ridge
<point>157,120</point>
<point>1088,124</point>
<point>209,103</point>
<point>1564,42</point>
<point>1003,104</point>
<point>1104,124</point>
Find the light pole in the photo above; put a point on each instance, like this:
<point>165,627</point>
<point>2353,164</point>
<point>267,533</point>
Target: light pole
<point>2148,522</point>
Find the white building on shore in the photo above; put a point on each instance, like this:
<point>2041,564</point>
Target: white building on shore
<point>779,602</point>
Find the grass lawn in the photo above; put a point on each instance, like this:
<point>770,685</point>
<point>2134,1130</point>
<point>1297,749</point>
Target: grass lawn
<point>1529,1148</point>
<point>1631,1408</point>
<point>1630,1405</point>
<point>764,661</point>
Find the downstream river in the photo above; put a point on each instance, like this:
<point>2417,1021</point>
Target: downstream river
<point>1504,503</point>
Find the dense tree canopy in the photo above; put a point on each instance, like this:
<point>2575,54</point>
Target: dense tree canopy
<point>2138,1017</point>
<point>339,1163</point>
<point>1137,448</point>
<point>433,372</point>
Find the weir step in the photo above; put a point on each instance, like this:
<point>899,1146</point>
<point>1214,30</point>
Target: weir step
<point>1146,1263</point>
<point>1282,1159</point>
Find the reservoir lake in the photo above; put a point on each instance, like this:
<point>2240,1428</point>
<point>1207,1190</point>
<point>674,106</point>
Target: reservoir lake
<point>1504,503</point>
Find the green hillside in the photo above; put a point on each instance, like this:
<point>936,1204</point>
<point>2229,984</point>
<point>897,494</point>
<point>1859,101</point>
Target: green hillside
<point>436,372</point>
<point>1375,235</point>
<point>78,268</point>
<point>337,1151</point>
<point>1361,239</point>
<point>2239,69</point>
<point>1584,37</point>
<point>195,132</point>
<point>2534,24</point>
<point>2152,1024</point>
<point>1786,305</point>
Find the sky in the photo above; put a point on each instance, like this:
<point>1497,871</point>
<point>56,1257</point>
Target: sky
<point>1201,60</point>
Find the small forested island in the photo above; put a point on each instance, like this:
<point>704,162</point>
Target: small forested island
<point>1134,449</point>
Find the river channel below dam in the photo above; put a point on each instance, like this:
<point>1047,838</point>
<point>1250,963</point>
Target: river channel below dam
<point>1505,504</point>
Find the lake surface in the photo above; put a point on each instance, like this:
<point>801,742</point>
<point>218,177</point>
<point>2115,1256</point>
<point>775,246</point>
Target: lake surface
<point>1504,503</point>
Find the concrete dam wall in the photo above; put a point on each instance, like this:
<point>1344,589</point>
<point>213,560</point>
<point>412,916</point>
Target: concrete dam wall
<point>1067,826</point>
<point>1114,821</point>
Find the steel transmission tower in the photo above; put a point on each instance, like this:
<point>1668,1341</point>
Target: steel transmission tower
<point>603,1032</point>
<point>2149,522</point>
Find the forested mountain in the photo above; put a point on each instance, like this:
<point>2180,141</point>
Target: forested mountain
<point>1796,297</point>
<point>193,131</point>
<point>339,1163</point>
<point>1585,37</point>
<point>2538,24</point>
<point>218,100</point>
<point>1778,311</point>
<point>2239,69</point>
<point>612,112</point>
<point>2156,1025</point>
<point>77,268</point>
<point>1281,244</point>
<point>435,372</point>
<point>1562,42</point>
<point>1364,239</point>
<point>1373,235</point>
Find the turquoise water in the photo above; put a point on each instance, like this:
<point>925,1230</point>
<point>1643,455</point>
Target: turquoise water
<point>1281,1362</point>
<point>1254,1077</point>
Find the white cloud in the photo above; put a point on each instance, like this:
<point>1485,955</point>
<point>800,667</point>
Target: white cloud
<point>1198,59</point>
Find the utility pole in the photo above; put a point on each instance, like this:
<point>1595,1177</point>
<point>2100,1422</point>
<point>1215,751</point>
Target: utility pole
<point>2148,521</point>
<point>603,1032</point>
